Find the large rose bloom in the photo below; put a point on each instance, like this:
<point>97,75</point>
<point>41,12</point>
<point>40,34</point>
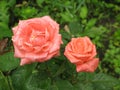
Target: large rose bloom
<point>36,40</point>
<point>81,51</point>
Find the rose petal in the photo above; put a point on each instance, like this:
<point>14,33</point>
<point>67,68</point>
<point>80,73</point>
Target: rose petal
<point>25,61</point>
<point>50,55</point>
<point>72,58</point>
<point>14,30</point>
<point>34,56</point>
<point>89,66</point>
<point>18,53</point>
<point>56,43</point>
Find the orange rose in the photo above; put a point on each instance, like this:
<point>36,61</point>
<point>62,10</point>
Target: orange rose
<point>36,40</point>
<point>81,51</point>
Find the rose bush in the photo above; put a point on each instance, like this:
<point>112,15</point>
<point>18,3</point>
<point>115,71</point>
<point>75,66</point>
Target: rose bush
<point>81,52</point>
<point>36,40</point>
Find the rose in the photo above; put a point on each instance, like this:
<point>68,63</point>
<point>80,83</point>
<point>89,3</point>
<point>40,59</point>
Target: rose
<point>81,52</point>
<point>36,40</point>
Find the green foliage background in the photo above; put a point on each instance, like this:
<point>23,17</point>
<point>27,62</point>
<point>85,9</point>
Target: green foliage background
<point>100,20</point>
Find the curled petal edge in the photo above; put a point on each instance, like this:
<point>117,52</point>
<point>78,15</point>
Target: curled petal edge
<point>89,66</point>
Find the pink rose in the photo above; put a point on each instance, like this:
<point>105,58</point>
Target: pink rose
<point>36,40</point>
<point>81,52</point>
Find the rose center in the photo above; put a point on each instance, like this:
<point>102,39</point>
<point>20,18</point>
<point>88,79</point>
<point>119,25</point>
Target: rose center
<point>32,37</point>
<point>37,37</point>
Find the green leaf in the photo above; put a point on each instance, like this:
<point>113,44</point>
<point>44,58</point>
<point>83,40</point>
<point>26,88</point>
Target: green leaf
<point>83,12</point>
<point>104,82</point>
<point>94,31</point>
<point>117,70</point>
<point>20,76</point>
<point>3,5</point>
<point>60,70</point>
<point>3,82</point>
<point>10,83</point>
<point>12,3</point>
<point>28,12</point>
<point>75,28</point>
<point>64,85</point>
<point>65,34</point>
<point>85,81</point>
<point>91,23</point>
<point>67,16</point>
<point>53,87</point>
<point>38,81</point>
<point>100,81</point>
<point>65,37</point>
<point>8,62</point>
<point>4,30</point>
<point>4,16</point>
<point>39,2</point>
<point>5,21</point>
<point>85,77</point>
<point>87,86</point>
